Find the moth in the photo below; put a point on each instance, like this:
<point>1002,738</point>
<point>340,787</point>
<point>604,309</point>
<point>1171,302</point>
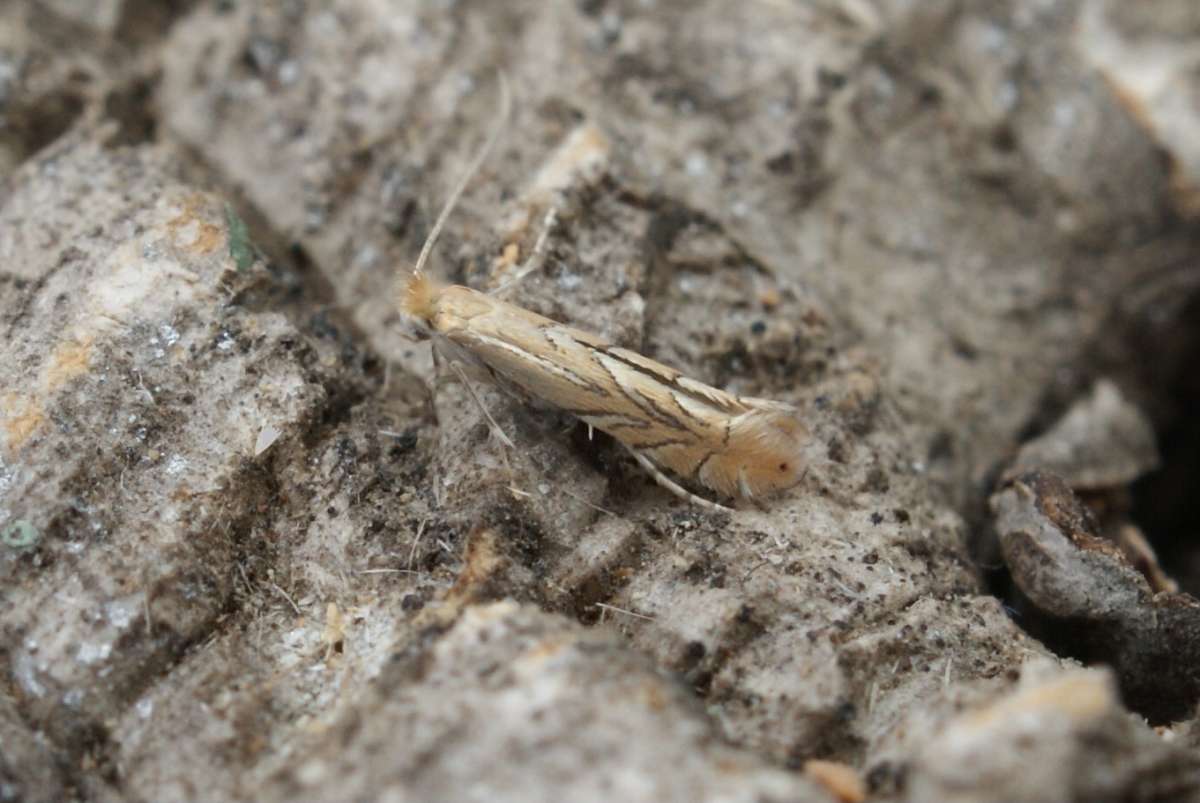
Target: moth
<point>736,446</point>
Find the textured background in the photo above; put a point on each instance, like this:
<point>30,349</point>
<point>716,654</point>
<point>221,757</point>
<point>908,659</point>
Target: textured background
<point>254,547</point>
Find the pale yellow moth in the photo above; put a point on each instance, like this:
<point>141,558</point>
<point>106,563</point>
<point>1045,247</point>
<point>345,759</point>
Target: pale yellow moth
<point>737,446</point>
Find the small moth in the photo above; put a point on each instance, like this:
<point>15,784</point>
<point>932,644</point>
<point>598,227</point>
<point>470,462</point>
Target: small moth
<point>736,446</point>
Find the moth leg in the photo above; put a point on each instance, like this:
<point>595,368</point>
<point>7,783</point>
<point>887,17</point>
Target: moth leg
<point>537,256</point>
<point>499,433</point>
<point>745,491</point>
<point>493,427</point>
<point>674,487</point>
<point>438,376</point>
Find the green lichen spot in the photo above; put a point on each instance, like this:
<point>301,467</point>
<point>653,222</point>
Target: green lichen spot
<point>240,248</point>
<point>20,534</point>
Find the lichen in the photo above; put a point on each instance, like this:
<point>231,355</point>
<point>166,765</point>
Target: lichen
<point>20,535</point>
<point>241,248</point>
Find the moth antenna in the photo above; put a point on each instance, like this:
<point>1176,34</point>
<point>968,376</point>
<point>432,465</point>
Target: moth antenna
<point>472,169</point>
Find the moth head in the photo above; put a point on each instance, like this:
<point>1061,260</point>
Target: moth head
<point>763,455</point>
<point>419,298</point>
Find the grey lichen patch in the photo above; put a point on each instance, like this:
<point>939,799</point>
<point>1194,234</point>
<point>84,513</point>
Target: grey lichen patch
<point>20,535</point>
<point>241,248</point>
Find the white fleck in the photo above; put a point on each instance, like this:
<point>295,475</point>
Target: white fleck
<point>176,465</point>
<point>121,612</point>
<point>91,652</point>
<point>696,164</point>
<point>8,74</point>
<point>8,475</point>
<point>570,281</point>
<point>277,132</point>
<point>225,341</point>
<point>266,436</point>
<point>73,698</point>
<point>132,285</point>
<point>543,488</point>
<point>168,334</point>
<point>610,22</point>
<point>314,217</point>
<point>1067,221</point>
<point>1008,95</point>
<point>739,208</point>
<point>994,38</point>
<point>311,772</point>
<point>366,256</point>
<point>325,24</point>
<point>884,86</point>
<point>1065,114</point>
<point>132,417</point>
<point>288,72</point>
<point>295,638</point>
<point>144,707</point>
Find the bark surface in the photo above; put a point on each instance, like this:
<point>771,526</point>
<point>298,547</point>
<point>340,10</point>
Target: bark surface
<point>256,545</point>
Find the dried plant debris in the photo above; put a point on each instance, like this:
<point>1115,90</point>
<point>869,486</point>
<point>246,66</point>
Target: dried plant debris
<point>1090,602</point>
<point>1059,736</point>
<point>842,780</point>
